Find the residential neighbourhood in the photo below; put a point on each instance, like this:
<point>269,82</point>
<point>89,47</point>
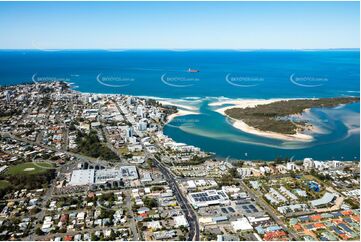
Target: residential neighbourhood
<point>86,167</point>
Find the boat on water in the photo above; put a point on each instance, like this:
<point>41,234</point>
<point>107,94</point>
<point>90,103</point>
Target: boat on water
<point>192,70</point>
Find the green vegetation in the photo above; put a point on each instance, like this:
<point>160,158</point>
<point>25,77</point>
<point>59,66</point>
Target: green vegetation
<point>29,168</point>
<point>89,144</point>
<point>321,177</point>
<point>29,175</point>
<point>4,184</point>
<point>196,160</point>
<point>152,102</point>
<point>233,172</point>
<point>9,113</point>
<point>227,180</point>
<point>38,231</point>
<point>150,163</point>
<point>68,201</point>
<point>5,187</point>
<point>237,163</point>
<point>150,202</point>
<point>157,189</point>
<point>106,213</point>
<point>353,203</point>
<point>273,117</point>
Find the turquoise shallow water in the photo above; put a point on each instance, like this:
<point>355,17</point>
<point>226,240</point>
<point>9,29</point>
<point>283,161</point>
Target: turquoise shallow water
<point>231,74</point>
<point>338,137</point>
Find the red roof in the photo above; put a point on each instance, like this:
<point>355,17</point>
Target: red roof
<point>347,212</point>
<point>273,235</point>
<point>297,227</point>
<point>319,225</point>
<point>336,221</point>
<point>144,215</point>
<point>68,238</point>
<point>316,217</point>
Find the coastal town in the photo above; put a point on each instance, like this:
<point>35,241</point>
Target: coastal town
<point>89,167</point>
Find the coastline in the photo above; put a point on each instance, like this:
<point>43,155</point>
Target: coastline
<point>182,110</point>
<point>179,113</point>
<point>240,125</point>
<point>180,106</point>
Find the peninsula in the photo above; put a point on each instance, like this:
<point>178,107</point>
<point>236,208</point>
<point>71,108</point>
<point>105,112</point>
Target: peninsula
<point>274,117</point>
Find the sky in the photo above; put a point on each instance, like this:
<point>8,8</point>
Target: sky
<point>179,25</point>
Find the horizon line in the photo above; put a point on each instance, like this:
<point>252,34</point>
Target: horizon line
<point>172,49</point>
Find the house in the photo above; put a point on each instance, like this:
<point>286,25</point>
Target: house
<point>180,221</point>
<point>154,225</point>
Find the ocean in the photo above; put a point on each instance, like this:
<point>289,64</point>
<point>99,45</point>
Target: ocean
<point>195,79</point>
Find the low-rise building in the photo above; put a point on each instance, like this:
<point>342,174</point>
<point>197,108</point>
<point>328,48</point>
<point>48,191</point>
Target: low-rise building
<point>207,198</point>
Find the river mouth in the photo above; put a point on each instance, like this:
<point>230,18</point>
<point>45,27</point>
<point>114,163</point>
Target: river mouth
<point>335,134</point>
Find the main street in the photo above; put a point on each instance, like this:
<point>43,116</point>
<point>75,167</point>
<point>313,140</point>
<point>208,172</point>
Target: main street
<point>132,223</point>
<point>183,202</point>
<point>188,210</point>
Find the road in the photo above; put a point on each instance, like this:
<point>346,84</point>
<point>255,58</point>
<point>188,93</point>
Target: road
<point>190,214</point>
<point>39,217</point>
<point>188,210</point>
<point>259,200</point>
<point>132,225</point>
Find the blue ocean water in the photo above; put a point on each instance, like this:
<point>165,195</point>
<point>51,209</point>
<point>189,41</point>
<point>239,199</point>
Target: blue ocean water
<point>214,75</point>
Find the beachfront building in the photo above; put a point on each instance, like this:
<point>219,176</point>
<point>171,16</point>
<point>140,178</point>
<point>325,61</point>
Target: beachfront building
<point>308,164</point>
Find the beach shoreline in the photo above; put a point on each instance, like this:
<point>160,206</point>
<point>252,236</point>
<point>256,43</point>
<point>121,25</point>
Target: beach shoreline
<point>240,125</point>
<point>182,110</point>
<point>179,106</point>
<point>179,113</point>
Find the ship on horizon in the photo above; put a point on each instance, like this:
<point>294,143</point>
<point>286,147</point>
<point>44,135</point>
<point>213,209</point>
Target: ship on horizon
<point>192,70</point>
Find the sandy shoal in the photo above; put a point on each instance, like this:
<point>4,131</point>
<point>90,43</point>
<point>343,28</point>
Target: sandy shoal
<point>239,124</point>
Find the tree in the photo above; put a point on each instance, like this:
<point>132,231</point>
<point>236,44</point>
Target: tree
<point>150,202</point>
<point>38,231</point>
<point>150,163</point>
<point>233,172</point>
<point>182,238</point>
<point>93,237</point>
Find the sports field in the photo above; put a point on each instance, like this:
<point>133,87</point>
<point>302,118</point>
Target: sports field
<point>29,168</point>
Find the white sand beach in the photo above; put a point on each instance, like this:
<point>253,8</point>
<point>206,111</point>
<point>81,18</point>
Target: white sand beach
<point>182,106</point>
<point>242,103</point>
<point>248,129</point>
<point>182,110</point>
<point>179,113</point>
<point>239,124</point>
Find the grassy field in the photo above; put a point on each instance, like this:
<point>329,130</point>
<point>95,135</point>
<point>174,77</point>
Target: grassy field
<point>4,184</point>
<point>29,168</point>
